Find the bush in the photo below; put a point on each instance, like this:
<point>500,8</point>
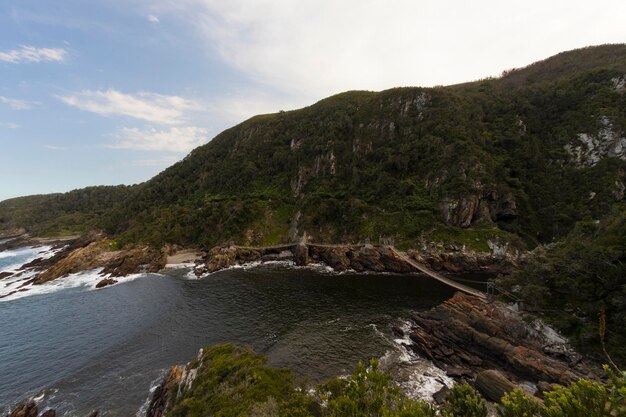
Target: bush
<point>464,401</point>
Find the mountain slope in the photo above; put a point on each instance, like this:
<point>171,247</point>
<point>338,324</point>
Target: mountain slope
<point>528,154</point>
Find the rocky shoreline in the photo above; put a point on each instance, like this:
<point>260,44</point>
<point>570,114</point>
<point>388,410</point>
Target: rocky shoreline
<point>365,257</point>
<point>88,252</point>
<point>485,343</point>
<point>94,250</point>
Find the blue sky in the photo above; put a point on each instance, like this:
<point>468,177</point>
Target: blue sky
<point>110,92</point>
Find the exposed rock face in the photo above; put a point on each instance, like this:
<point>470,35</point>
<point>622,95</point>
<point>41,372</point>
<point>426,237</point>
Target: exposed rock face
<point>485,207</point>
<point>592,148</point>
<point>165,392</point>
<point>501,259</point>
<point>91,251</point>
<point>367,257</point>
<point>474,336</point>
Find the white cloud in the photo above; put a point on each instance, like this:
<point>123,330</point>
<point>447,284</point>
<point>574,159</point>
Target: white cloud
<point>16,104</point>
<point>166,161</point>
<point>175,139</point>
<point>9,125</point>
<point>151,107</point>
<point>32,54</point>
<point>234,108</point>
<point>56,148</point>
<point>314,48</point>
<point>153,19</point>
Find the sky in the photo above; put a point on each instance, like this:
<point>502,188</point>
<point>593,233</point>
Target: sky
<point>104,92</point>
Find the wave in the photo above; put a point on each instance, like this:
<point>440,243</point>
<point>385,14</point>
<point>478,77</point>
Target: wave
<point>85,279</point>
<point>416,376</point>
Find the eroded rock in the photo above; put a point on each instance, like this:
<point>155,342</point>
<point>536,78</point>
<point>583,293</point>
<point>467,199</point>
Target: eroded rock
<point>471,334</point>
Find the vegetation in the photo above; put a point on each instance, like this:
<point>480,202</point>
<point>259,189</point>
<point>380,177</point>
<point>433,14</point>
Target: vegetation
<point>232,381</point>
<point>364,165</point>
<point>572,281</point>
<point>498,158</point>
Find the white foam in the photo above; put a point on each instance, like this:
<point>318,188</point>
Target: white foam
<point>143,410</point>
<point>85,279</point>
<point>417,377</point>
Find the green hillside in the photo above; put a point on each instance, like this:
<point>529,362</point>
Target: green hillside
<point>525,155</point>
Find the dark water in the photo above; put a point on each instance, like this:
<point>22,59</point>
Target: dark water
<point>85,349</point>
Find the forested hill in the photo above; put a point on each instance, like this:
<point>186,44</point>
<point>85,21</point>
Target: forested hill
<point>524,156</point>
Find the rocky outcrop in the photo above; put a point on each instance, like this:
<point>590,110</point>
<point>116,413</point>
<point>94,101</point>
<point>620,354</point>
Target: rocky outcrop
<point>105,283</point>
<point>493,384</point>
<point>91,251</point>
<point>501,259</point>
<point>591,148</point>
<point>467,336</point>
<point>481,207</point>
<point>165,392</point>
<point>361,258</point>
<point>29,409</point>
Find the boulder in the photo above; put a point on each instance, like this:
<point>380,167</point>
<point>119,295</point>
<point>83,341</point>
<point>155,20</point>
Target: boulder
<point>493,384</point>
<point>25,409</point>
<point>49,413</point>
<point>106,282</point>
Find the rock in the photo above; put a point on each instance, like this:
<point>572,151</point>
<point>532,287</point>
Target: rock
<point>493,384</point>
<point>25,409</point>
<point>397,331</point>
<point>5,274</point>
<point>301,254</point>
<point>165,392</point>
<point>336,256</point>
<point>105,282</point>
<point>543,387</point>
<point>457,372</point>
<point>440,396</point>
<point>94,414</point>
<point>49,413</point>
<point>468,333</point>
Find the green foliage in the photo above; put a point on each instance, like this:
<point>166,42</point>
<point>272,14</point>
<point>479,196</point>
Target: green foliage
<point>571,281</point>
<point>368,392</point>
<point>582,398</point>
<point>519,404</point>
<point>232,381</point>
<point>463,400</point>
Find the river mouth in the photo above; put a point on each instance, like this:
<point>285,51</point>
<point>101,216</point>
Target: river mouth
<point>82,349</point>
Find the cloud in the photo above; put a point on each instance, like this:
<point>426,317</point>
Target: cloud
<point>235,108</point>
<point>33,54</point>
<point>151,107</point>
<point>166,161</point>
<point>16,104</point>
<point>9,125</point>
<point>153,19</point>
<point>175,139</point>
<point>313,48</point>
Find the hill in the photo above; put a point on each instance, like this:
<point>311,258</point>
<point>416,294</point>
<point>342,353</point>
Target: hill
<point>525,155</point>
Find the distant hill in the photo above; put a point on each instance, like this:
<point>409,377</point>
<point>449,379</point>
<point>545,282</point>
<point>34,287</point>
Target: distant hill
<point>521,157</point>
